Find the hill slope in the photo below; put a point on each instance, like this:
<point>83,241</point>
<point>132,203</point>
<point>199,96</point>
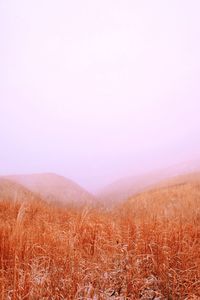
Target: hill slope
<point>53,187</point>
<point>10,190</point>
<point>127,187</point>
<point>178,197</point>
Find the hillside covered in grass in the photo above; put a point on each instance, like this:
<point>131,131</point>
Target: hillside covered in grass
<point>145,248</point>
<point>53,188</point>
<point>13,191</point>
<point>126,187</point>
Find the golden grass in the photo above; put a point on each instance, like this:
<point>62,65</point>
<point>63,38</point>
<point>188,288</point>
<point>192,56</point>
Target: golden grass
<point>146,248</point>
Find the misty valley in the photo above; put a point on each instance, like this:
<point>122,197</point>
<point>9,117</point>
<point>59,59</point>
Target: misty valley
<point>58,241</point>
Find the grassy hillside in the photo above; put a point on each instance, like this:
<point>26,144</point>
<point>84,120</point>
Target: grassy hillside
<point>53,187</point>
<point>124,188</point>
<point>10,190</point>
<point>171,198</point>
<point>146,248</point>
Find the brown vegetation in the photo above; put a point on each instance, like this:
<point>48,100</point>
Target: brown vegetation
<point>147,248</point>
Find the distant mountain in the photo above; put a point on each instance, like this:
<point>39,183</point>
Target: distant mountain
<point>53,187</point>
<point>127,187</point>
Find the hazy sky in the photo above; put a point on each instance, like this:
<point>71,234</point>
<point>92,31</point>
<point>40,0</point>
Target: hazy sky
<point>97,90</point>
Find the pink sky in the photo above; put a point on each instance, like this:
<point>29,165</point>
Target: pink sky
<point>97,90</point>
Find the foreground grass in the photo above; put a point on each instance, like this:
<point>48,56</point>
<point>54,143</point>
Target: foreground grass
<point>147,248</point>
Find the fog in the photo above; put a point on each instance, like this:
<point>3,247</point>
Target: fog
<point>98,90</point>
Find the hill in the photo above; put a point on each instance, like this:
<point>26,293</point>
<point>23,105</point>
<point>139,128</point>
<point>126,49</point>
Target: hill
<point>10,190</point>
<point>53,187</point>
<point>129,186</point>
<point>180,196</point>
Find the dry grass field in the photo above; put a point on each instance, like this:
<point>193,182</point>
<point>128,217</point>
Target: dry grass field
<point>146,248</point>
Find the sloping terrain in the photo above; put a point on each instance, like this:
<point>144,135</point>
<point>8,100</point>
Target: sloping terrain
<point>192,178</point>
<point>170,198</point>
<point>10,190</point>
<point>127,187</point>
<point>53,187</point>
